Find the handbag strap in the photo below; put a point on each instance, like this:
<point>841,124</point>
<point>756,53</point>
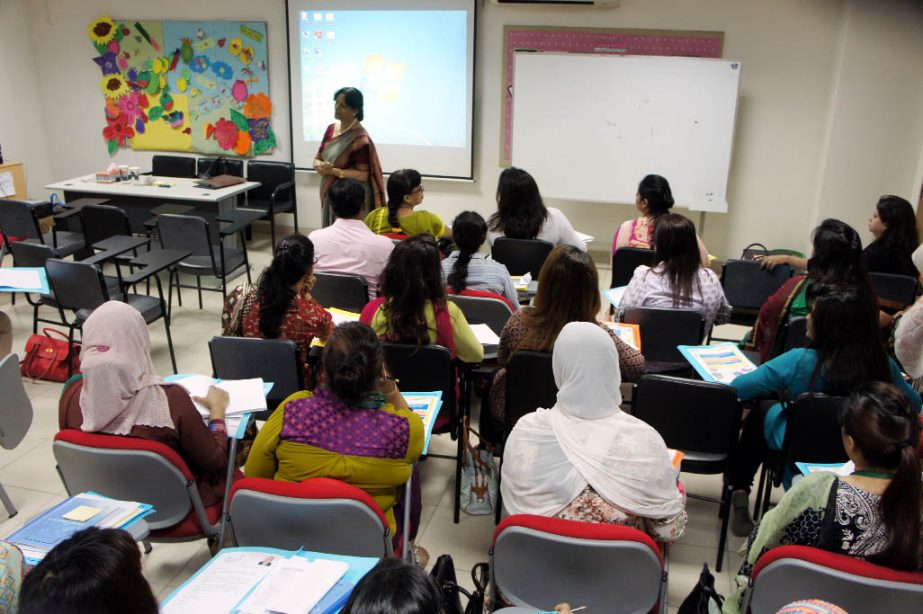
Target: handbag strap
<point>47,332</point>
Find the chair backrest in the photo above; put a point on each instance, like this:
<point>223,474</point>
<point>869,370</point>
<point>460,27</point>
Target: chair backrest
<point>898,289</point>
<point>529,385</point>
<point>211,167</point>
<point>76,285</point>
<point>425,369</point>
<point>747,285</point>
<point>608,568</point>
<point>275,360</point>
<point>185,232</point>
<point>17,219</point>
<point>270,175</point>
<point>521,256</point>
<point>624,262</point>
<point>792,573</point>
<point>796,334</point>
<point>663,329</point>
<point>319,514</point>
<point>15,407</point>
<point>691,415</point>
<point>812,432</point>
<point>173,166</point>
<point>349,292</point>
<point>31,254</point>
<point>127,468</point>
<point>99,222</point>
<point>494,312</point>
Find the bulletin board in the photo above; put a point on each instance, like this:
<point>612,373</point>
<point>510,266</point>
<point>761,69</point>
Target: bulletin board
<point>593,40</point>
<point>192,86</point>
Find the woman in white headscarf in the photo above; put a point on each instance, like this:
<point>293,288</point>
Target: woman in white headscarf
<point>119,393</point>
<point>584,459</point>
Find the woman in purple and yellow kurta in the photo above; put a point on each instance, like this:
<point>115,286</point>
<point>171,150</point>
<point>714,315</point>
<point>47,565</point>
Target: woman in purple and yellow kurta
<point>356,427</point>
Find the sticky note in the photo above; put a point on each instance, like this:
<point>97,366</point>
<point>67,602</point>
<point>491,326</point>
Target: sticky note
<point>82,513</point>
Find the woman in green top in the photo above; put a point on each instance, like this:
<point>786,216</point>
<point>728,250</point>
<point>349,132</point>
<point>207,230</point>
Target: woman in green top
<point>405,191</point>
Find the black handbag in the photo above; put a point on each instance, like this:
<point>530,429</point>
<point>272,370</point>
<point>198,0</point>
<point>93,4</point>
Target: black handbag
<point>444,574</point>
<point>703,599</point>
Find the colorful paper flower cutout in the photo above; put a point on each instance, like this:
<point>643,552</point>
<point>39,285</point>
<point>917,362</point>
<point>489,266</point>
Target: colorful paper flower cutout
<point>101,30</point>
<point>258,106</point>
<point>185,50</point>
<point>223,70</point>
<point>226,133</point>
<point>108,63</point>
<point>239,90</point>
<point>199,64</point>
<point>113,86</point>
<point>129,107</point>
<point>117,131</point>
<point>175,119</point>
<point>242,146</point>
<point>259,129</point>
<point>234,46</point>
<point>246,55</point>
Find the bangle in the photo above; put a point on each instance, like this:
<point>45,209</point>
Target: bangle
<point>341,173</point>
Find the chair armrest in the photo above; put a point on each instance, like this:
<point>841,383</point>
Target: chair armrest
<point>154,262</point>
<point>237,220</point>
<point>63,215</point>
<point>288,185</point>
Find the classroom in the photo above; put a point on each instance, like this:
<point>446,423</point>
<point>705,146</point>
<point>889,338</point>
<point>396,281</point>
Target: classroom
<point>829,117</point>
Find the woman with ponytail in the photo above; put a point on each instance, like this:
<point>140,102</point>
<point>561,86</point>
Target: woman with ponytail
<point>872,514</point>
<point>466,269</point>
<point>405,191</point>
<point>281,306</point>
<point>355,427</point>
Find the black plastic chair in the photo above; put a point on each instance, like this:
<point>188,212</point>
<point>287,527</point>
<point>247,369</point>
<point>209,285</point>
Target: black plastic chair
<point>173,166</point>
<point>212,167</point>
<point>747,285</point>
<point>20,219</point>
<point>796,334</point>
<point>529,385</point>
<point>624,262</point>
<point>521,256</point>
<point>661,331</point>
<point>80,287</point>
<point>812,435</point>
<point>188,232</point>
<point>348,292</point>
<point>100,222</point>
<point>494,312</point>
<point>274,360</point>
<point>276,194</point>
<point>899,290</point>
<point>702,419</point>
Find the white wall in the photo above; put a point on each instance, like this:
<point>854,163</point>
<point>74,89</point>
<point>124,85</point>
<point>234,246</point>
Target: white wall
<point>810,91</point>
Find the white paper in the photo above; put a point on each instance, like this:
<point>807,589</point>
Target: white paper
<point>245,395</point>
<point>521,282</point>
<point>221,585</point>
<point>623,332</point>
<point>615,295</point>
<point>19,279</point>
<point>294,586</point>
<point>484,334</point>
<point>6,184</point>
<point>341,316</point>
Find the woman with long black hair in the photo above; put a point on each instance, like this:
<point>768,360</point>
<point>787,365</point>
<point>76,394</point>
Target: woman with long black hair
<point>405,193</point>
<point>466,269</point>
<point>894,226</point>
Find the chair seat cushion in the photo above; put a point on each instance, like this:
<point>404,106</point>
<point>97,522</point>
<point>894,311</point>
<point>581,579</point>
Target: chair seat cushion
<point>189,526</point>
<point>202,265</point>
<point>68,242</point>
<point>263,204</point>
<point>148,306</point>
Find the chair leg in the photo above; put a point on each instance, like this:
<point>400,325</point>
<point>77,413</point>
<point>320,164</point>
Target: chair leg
<point>166,324</point>
<point>272,231</point>
<point>147,546</point>
<point>725,518</point>
<point>295,214</point>
<point>7,502</point>
<point>70,344</point>
<point>770,479</point>
<point>458,470</point>
<point>198,284</point>
<point>499,496</point>
<point>759,494</point>
<point>179,291</point>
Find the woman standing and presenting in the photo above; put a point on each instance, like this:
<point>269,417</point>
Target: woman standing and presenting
<point>347,151</point>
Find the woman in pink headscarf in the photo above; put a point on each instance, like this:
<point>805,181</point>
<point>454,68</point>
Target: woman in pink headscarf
<point>120,394</point>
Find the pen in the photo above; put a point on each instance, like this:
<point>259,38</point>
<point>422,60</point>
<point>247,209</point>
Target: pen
<point>583,607</point>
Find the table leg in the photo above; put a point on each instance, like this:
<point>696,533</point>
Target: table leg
<point>405,554</point>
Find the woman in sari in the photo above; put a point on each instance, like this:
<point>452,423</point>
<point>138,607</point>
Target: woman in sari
<point>347,151</point>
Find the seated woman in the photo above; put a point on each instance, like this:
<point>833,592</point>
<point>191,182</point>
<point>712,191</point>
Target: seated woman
<point>584,459</point>
<point>413,307</point>
<point>281,306</point>
<point>356,427</point>
<point>678,281</point>
<point>521,213</point>
<point>653,199</point>
<point>466,269</point>
<point>872,514</point>
<point>94,570</point>
<point>845,352</point>
<point>120,394</point>
<point>395,586</point>
<point>894,226</point>
<point>836,259</point>
<point>405,192</point>
<point>568,291</point>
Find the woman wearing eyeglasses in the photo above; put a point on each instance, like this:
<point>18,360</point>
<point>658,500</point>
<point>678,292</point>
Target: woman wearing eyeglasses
<point>405,193</point>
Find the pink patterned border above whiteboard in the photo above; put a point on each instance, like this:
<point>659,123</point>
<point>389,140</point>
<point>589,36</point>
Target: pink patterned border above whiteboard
<point>584,40</point>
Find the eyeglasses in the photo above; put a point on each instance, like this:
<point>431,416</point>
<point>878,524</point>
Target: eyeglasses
<point>417,190</point>
<point>314,261</point>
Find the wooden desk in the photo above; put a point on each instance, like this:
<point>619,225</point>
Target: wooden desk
<point>138,200</point>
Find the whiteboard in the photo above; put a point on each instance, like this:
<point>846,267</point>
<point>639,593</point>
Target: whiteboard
<point>590,127</point>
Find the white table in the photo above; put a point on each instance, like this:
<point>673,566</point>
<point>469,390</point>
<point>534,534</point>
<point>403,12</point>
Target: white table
<point>137,200</point>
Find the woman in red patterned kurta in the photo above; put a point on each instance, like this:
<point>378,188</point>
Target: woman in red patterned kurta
<point>281,307</point>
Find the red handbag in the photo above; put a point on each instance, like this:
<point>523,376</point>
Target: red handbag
<point>46,357</point>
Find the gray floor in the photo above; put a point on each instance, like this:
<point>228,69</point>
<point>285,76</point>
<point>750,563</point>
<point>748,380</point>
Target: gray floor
<point>29,475</point>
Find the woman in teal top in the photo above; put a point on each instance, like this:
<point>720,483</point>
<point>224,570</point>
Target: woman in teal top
<point>845,352</point>
<point>405,191</point>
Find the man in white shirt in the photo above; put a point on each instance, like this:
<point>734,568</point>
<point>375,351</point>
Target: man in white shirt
<point>348,246</point>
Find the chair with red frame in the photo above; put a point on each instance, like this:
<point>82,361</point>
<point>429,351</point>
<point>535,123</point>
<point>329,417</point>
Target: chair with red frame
<point>134,469</point>
<point>791,573</point>
<point>537,562</point>
<point>318,514</point>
